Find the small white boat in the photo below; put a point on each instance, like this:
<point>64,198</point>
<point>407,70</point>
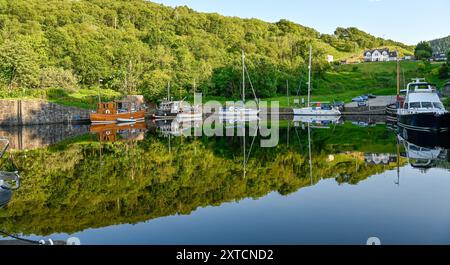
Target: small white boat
<point>240,111</point>
<point>319,110</point>
<point>317,119</point>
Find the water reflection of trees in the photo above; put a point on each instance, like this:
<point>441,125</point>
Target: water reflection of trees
<point>88,184</point>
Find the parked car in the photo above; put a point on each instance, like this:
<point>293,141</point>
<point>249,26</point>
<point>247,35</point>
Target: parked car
<point>371,96</point>
<point>362,104</point>
<point>358,99</point>
<point>339,104</point>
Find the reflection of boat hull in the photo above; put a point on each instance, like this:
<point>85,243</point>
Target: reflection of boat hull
<point>237,119</point>
<point>97,118</point>
<point>316,112</point>
<point>109,132</point>
<point>123,120</point>
<point>5,196</point>
<point>424,138</point>
<point>425,122</point>
<point>189,116</point>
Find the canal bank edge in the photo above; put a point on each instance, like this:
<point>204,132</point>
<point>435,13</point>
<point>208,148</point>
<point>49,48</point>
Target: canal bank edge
<point>16,112</point>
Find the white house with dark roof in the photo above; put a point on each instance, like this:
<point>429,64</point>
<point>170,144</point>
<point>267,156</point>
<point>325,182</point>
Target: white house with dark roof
<point>379,55</point>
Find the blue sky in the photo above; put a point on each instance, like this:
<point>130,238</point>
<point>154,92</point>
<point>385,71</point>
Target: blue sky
<point>408,21</point>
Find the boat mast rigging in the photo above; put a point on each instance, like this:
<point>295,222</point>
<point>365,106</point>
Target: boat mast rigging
<point>309,76</point>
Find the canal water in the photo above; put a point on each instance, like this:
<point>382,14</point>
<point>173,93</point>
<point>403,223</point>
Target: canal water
<point>323,183</point>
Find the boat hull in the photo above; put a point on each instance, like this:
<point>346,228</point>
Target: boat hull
<point>316,112</point>
<point>97,118</point>
<point>317,119</point>
<point>165,114</point>
<point>425,122</point>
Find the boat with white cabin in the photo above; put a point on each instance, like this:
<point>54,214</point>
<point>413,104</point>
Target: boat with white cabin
<point>422,109</point>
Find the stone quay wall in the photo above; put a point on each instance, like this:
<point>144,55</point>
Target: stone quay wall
<point>35,112</point>
<point>37,136</point>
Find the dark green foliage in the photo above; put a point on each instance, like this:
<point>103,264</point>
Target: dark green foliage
<point>444,71</point>
<point>138,47</point>
<point>440,45</point>
<point>423,51</point>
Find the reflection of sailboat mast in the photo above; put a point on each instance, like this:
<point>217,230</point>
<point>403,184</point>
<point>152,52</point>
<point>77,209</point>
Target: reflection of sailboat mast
<point>245,160</point>
<point>309,151</point>
<point>398,163</point>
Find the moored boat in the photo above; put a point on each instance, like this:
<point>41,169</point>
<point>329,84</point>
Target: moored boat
<point>315,108</point>
<point>117,111</point>
<point>423,109</point>
<point>318,109</point>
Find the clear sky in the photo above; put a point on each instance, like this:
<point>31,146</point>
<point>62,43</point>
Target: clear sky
<point>408,21</point>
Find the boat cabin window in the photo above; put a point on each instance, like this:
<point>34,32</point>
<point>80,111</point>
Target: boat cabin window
<point>414,105</point>
<point>427,105</point>
<point>438,105</point>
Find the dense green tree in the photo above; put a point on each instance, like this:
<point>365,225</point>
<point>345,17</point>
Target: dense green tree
<point>423,51</point>
<point>448,57</point>
<point>444,71</point>
<point>137,46</point>
<point>19,64</point>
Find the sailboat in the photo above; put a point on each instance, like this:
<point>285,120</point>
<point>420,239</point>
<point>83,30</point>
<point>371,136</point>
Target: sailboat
<point>240,112</point>
<point>319,108</point>
<point>190,113</point>
<point>168,109</point>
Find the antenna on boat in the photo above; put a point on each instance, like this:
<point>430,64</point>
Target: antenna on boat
<point>309,76</point>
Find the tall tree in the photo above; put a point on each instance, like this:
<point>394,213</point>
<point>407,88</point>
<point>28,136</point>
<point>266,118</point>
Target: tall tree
<point>19,64</point>
<point>423,51</point>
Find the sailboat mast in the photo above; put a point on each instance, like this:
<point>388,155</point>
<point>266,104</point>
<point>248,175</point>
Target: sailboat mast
<point>243,77</point>
<point>398,78</point>
<point>309,76</point>
<point>168,91</point>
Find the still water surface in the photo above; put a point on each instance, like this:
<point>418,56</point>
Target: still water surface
<point>156,188</point>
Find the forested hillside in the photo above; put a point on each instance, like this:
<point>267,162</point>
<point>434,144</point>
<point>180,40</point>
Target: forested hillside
<point>137,46</point>
<point>441,45</point>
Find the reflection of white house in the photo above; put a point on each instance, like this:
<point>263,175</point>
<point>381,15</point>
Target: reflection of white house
<point>379,55</point>
<point>379,159</point>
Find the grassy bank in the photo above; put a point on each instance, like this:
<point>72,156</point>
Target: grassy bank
<point>347,81</point>
<point>341,83</point>
<point>82,98</point>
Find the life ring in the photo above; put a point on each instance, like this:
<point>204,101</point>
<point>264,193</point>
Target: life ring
<point>107,111</point>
